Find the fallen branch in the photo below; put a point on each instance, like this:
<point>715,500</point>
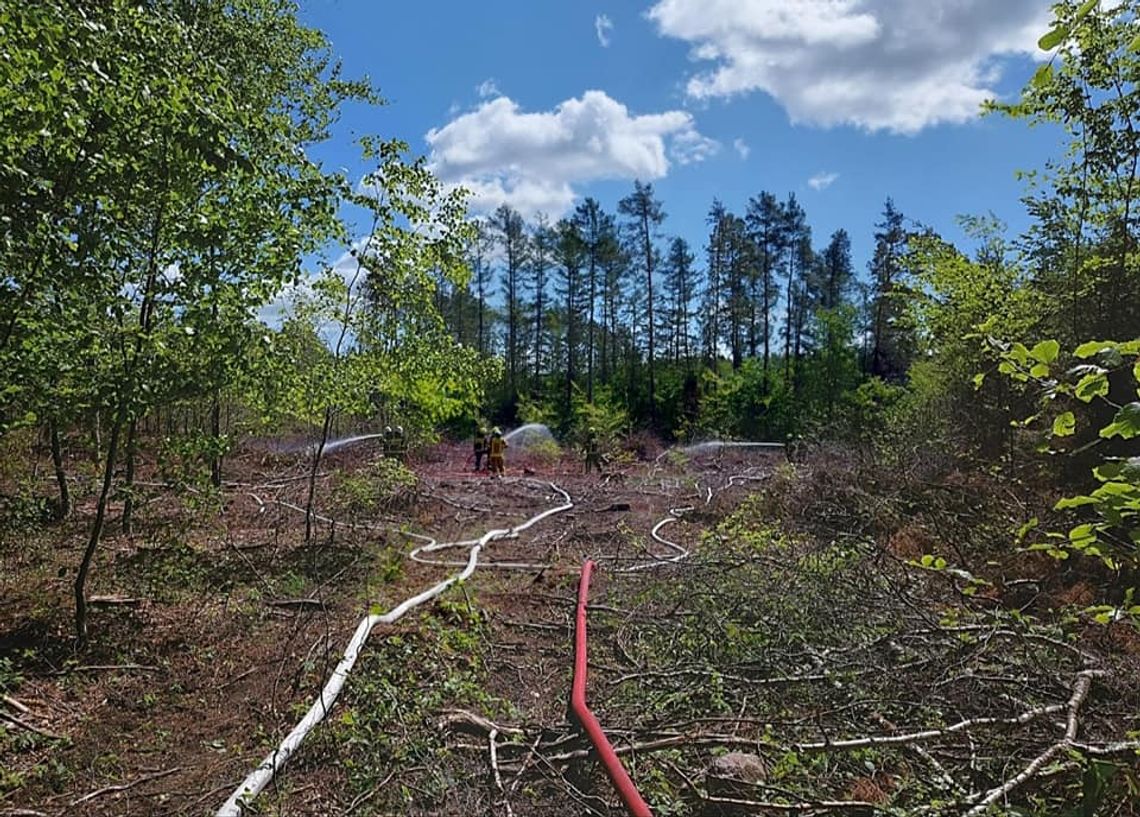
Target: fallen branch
<point>1123,747</point>
<point>107,668</point>
<point>12,719</point>
<point>125,786</point>
<point>316,603</point>
<point>461,718</point>
<point>12,702</point>
<point>942,777</point>
<point>914,737</point>
<point>672,741</point>
<point>108,601</point>
<point>360,800</point>
<point>795,808</point>
<point>494,733</point>
<point>704,673</point>
<point>1080,692</point>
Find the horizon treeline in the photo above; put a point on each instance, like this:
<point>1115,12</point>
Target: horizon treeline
<point>606,306</point>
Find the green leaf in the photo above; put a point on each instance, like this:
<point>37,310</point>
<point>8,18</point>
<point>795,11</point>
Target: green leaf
<point>1074,502</point>
<point>1092,385</point>
<point>1039,370</point>
<point>1109,471</point>
<point>1087,350</point>
<point>1135,44</point>
<point>1065,425</point>
<point>1136,370</point>
<point>979,379</point>
<point>1054,38</point>
<point>1082,535</point>
<point>1046,351</point>
<point>1084,10</point>
<point>1043,75</point>
<point>1126,424</point>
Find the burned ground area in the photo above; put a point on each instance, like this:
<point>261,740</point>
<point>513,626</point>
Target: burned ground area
<point>764,638</point>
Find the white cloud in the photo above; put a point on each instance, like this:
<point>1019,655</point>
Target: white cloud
<point>896,65</point>
<point>534,161</point>
<point>487,88</point>
<point>690,147</point>
<point>741,147</point>
<point>603,25</point>
<point>822,181</point>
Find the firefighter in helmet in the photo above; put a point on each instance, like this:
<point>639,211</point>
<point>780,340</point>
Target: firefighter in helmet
<point>479,443</point>
<point>497,460</point>
<point>593,455</point>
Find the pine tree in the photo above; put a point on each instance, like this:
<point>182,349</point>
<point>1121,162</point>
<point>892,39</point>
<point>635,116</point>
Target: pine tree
<point>718,253</point>
<point>765,221</point>
<point>570,255</point>
<point>889,342</point>
<point>510,230</point>
<point>645,215</point>
<point>597,230</point>
<point>797,260</point>
<point>615,269</point>
<point>680,284</point>
<point>542,246</point>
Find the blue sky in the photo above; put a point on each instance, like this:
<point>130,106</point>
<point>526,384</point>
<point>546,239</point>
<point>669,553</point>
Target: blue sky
<point>540,103</point>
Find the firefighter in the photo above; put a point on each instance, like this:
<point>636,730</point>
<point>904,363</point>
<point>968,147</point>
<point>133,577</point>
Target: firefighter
<point>593,456</point>
<point>387,440</point>
<point>400,445</point>
<point>498,449</point>
<point>480,446</point>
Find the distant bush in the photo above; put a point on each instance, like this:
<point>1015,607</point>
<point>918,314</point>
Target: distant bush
<point>383,484</point>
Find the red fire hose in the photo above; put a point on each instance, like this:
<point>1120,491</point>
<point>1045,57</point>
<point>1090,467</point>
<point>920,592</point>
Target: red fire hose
<point>617,773</point>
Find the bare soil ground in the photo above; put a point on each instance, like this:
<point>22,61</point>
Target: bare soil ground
<point>798,630</point>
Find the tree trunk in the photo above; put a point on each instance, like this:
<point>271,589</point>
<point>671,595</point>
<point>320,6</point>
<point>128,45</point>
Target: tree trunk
<point>590,333</point>
<point>649,307</point>
<point>64,509</point>
<point>96,530</point>
<point>788,332</point>
<point>129,480</point>
<point>313,475</point>
<point>216,431</point>
<point>97,437</point>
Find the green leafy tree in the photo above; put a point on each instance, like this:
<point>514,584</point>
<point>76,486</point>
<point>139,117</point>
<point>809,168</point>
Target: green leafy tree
<point>158,192</point>
<point>1106,373</point>
<point>1083,242</point>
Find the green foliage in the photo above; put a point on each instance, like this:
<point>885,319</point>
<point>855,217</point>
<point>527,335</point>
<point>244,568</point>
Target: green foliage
<point>747,403</point>
<point>10,677</point>
<point>868,408</point>
<point>359,495</point>
<point>394,699</point>
<point>184,460</point>
<point>606,415</point>
<point>1111,531</point>
<point>1080,247</point>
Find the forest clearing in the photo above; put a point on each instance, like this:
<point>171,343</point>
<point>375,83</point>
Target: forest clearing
<point>783,633</point>
<point>551,463</point>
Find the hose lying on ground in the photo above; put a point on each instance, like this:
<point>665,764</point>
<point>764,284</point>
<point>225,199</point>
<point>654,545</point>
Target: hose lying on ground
<point>260,777</point>
<point>633,801</point>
